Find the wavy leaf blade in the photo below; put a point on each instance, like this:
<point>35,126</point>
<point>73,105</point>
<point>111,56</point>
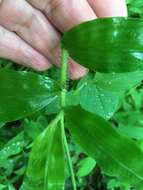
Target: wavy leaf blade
<point>117,155</point>
<point>107,44</point>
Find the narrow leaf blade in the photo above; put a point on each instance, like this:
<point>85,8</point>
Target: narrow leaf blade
<point>117,155</point>
<point>46,167</point>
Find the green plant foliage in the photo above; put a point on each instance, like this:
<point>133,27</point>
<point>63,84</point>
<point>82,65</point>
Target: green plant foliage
<point>108,155</point>
<point>99,94</point>
<point>2,187</point>
<point>86,166</point>
<point>91,97</point>
<point>23,93</point>
<point>118,82</point>
<point>10,187</point>
<point>135,2</point>
<point>132,132</point>
<point>135,8</point>
<point>101,141</point>
<point>95,99</point>
<point>13,147</point>
<point>12,158</point>
<point>46,167</point>
<point>113,44</point>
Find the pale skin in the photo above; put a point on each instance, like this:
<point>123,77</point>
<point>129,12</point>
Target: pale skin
<point>30,31</point>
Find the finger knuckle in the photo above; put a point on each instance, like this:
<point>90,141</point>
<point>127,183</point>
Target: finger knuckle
<point>27,21</point>
<point>53,5</point>
<point>42,46</point>
<point>21,14</point>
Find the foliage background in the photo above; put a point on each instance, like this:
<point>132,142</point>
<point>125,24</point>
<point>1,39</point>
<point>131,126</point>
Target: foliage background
<point>16,137</point>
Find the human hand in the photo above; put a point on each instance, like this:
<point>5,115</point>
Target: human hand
<point>30,31</point>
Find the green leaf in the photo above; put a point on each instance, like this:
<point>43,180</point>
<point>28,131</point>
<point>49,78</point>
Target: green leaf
<point>2,187</point>
<point>93,98</point>
<point>112,184</point>
<point>53,107</point>
<point>86,166</point>
<point>32,129</point>
<point>136,2</point>
<point>13,147</point>
<point>127,117</point>
<point>2,124</point>
<point>100,94</point>
<point>46,167</point>
<point>137,10</point>
<point>23,93</point>
<point>10,187</point>
<point>118,82</point>
<point>98,100</point>
<point>117,155</point>
<point>131,131</point>
<point>107,44</point>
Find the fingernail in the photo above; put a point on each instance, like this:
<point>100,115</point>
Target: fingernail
<point>41,64</point>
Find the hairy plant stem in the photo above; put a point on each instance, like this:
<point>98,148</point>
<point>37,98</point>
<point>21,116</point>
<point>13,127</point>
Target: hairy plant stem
<point>64,68</point>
